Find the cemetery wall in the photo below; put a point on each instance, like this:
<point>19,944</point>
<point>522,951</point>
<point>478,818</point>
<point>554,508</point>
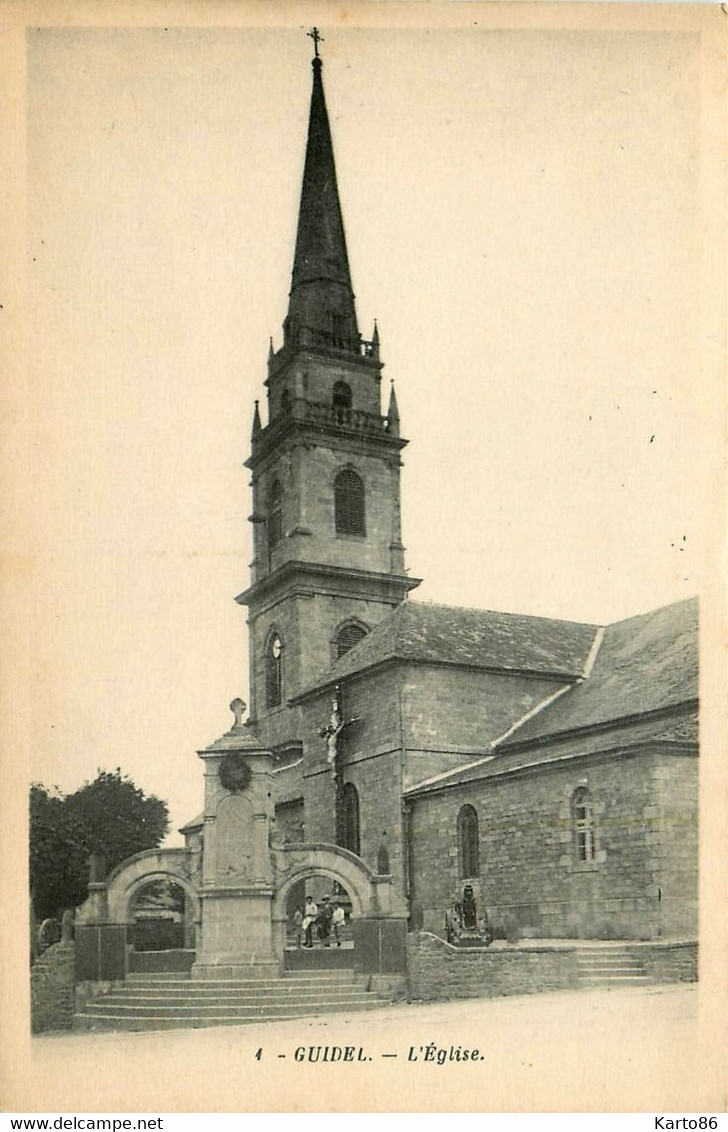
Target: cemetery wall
<point>52,989</point>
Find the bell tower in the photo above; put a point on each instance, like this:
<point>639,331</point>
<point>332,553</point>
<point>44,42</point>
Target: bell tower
<point>328,556</point>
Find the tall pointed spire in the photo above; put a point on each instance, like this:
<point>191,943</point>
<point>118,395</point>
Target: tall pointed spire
<point>393,413</point>
<point>256,429</point>
<point>321,299</point>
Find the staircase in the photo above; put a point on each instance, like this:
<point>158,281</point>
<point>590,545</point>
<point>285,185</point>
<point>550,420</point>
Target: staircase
<point>608,966</point>
<point>159,1002</point>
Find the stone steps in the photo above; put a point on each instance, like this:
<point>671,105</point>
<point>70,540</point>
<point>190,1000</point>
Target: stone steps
<point>148,1002</point>
<point>607,967</point>
<point>288,980</point>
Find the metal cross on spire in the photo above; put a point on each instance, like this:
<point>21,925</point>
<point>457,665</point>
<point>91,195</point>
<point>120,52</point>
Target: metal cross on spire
<point>317,38</point>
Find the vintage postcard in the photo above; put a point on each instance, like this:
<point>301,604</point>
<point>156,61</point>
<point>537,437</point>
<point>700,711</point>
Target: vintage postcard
<point>363,585</point>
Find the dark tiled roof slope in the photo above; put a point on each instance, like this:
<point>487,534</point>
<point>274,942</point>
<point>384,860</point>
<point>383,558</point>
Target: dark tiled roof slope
<point>644,664</point>
<point>680,729</point>
<point>442,634</point>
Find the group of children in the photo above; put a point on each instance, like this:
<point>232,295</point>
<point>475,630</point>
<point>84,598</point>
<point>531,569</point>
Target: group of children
<point>327,919</point>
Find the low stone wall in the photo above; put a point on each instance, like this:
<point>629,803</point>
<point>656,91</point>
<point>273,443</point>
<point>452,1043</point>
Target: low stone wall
<point>152,962</point>
<point>669,962</point>
<point>438,971</point>
<point>51,989</point>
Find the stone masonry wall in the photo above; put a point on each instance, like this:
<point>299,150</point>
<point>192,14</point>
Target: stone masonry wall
<point>290,821</point>
<point>669,962</point>
<point>370,759</point>
<point>307,626</point>
<point>675,843</point>
<point>306,473</point>
<point>460,711</point>
<point>317,472</point>
<point>439,971</point>
<point>52,989</point>
<point>529,874</point>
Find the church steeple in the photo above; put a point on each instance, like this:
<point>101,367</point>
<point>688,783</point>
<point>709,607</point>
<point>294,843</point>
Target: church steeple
<point>328,559</point>
<point>321,303</point>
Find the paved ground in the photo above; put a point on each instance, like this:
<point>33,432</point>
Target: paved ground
<point>590,1051</point>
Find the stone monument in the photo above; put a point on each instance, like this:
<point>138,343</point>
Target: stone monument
<point>237,870</point>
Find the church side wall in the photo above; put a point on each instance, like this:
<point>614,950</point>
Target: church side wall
<point>451,715</point>
<point>675,859</point>
<point>371,759</point>
<point>288,784</point>
<point>529,880</point>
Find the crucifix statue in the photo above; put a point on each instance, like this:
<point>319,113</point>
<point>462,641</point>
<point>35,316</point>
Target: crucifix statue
<point>334,728</point>
<point>332,733</point>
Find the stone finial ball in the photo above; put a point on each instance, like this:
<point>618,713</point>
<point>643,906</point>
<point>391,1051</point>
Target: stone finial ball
<point>237,707</point>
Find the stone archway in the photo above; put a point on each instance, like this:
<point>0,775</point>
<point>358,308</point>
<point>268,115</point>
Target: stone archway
<point>155,864</point>
<point>378,911</point>
<point>371,895</point>
<point>101,923</point>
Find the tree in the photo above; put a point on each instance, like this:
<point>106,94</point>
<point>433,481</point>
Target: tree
<point>58,854</point>
<point>110,816</point>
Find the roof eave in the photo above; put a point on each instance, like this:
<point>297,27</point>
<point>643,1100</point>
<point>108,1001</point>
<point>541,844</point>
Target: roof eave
<point>595,728</point>
<point>643,746</point>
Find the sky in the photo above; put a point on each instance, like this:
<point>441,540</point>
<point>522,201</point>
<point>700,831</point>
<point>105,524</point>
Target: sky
<point>522,217</point>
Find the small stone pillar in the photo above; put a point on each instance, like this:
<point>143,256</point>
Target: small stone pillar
<point>67,920</point>
<point>98,904</point>
<point>236,936</point>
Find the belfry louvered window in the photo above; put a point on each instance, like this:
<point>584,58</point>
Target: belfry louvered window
<point>349,504</point>
<point>275,514</point>
<point>347,637</point>
<point>582,813</point>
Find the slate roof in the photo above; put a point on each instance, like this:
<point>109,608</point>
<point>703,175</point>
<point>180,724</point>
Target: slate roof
<point>471,638</point>
<point>678,730</point>
<point>644,664</point>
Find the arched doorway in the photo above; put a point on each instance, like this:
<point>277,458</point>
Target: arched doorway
<point>318,913</point>
<point>151,888</point>
<point>375,914</point>
<point>159,917</point>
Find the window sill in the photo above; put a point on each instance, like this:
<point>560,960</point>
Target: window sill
<point>350,538</point>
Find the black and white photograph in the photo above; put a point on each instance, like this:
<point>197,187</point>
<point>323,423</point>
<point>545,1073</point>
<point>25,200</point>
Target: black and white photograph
<point>372,656</point>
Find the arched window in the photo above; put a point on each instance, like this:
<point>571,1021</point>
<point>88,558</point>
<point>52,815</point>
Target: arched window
<point>350,818</point>
<point>468,848</point>
<point>348,636</point>
<point>275,513</point>
<point>341,399</point>
<point>274,671</point>
<point>285,402</point>
<point>349,504</point>
<point>582,813</point>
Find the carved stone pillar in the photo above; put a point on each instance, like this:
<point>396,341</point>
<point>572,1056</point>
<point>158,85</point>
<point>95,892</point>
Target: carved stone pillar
<point>237,891</point>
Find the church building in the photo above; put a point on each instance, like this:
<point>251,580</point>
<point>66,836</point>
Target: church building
<point>549,766</point>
